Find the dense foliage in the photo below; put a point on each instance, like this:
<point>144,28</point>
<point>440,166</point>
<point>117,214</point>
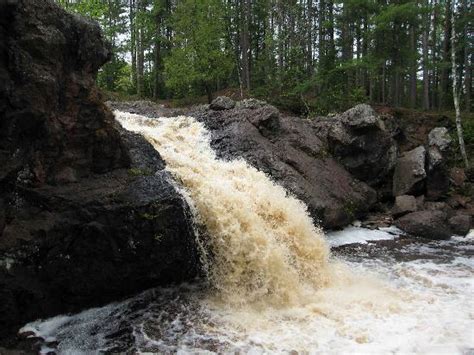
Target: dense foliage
<point>309,56</point>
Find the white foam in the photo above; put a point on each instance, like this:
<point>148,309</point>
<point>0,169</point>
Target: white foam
<point>435,317</point>
<point>360,235</point>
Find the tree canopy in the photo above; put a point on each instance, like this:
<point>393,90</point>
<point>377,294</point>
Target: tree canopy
<point>308,56</point>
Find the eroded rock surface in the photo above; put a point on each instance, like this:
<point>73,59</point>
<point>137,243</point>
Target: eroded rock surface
<point>222,103</point>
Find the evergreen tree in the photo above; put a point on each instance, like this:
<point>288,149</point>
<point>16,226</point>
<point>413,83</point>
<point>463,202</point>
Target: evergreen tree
<point>198,59</point>
<point>307,56</point>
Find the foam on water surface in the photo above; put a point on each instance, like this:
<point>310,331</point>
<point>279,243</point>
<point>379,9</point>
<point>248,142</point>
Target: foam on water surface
<point>436,316</point>
<point>360,235</point>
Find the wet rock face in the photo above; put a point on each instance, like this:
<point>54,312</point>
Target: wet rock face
<point>87,213</point>
<point>460,223</point>
<point>294,153</point>
<point>65,248</point>
<point>53,126</point>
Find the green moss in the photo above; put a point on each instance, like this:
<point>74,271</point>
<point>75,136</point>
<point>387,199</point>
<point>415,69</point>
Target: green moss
<point>350,208</point>
<point>134,172</point>
<point>149,216</point>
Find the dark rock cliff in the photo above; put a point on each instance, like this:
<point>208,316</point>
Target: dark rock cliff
<point>87,213</point>
<point>53,126</point>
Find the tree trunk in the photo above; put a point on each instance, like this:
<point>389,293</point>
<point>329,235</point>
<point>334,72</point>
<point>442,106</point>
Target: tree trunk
<point>332,45</point>
<point>157,56</point>
<point>467,53</point>
<point>434,60</point>
<point>365,52</point>
<point>426,77</point>
<point>383,83</point>
<point>140,50</point>
<point>309,34</point>
<point>414,67</point>
<point>462,146</point>
<point>346,46</point>
<point>133,51</point>
<point>321,33</point>
<point>245,44</point>
<point>140,63</point>
<point>446,47</point>
<point>468,80</point>
<point>208,90</point>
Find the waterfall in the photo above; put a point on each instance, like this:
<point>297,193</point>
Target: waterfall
<point>265,246</point>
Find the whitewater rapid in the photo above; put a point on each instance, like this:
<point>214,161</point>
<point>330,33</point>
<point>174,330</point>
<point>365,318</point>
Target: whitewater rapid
<point>273,284</point>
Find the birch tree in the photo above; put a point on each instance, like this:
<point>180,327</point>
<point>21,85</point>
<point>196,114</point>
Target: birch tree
<point>459,129</point>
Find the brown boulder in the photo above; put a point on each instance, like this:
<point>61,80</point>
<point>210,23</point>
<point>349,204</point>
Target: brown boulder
<point>460,223</point>
<point>222,103</point>
<point>457,176</point>
<point>425,224</point>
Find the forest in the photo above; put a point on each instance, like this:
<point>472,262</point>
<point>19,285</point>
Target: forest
<point>307,56</point>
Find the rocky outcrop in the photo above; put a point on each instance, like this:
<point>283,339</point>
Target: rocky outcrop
<point>294,153</point>
<point>409,176</point>
<point>54,127</point>
<point>359,140</point>
<point>87,213</point>
<point>425,224</point>
<point>84,244</point>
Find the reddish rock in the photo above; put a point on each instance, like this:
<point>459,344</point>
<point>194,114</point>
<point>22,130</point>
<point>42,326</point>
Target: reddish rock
<point>457,177</point>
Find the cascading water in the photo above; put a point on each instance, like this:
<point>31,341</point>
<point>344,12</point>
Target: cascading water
<point>267,253</point>
<point>265,247</point>
<point>274,285</point>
